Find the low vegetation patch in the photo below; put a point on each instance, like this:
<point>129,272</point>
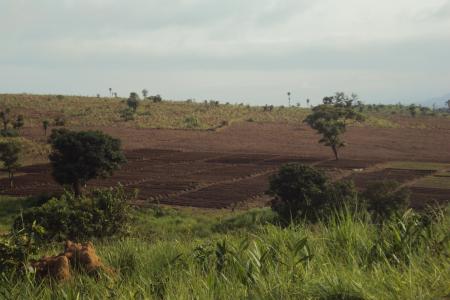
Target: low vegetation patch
<point>102,213</point>
<point>347,256</point>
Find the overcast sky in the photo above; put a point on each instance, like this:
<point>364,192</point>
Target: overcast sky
<point>251,51</point>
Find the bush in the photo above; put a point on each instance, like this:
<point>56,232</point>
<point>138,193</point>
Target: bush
<point>385,199</point>
<point>303,192</point>
<point>133,101</point>
<point>9,133</point>
<point>103,213</point>
<point>59,121</point>
<point>155,99</point>
<point>16,247</point>
<point>127,114</point>
<point>191,122</point>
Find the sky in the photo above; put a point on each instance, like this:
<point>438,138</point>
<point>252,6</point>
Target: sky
<point>250,51</point>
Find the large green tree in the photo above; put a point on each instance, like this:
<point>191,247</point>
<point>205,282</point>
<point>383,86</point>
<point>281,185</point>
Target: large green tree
<point>330,119</point>
<point>9,155</point>
<point>77,157</point>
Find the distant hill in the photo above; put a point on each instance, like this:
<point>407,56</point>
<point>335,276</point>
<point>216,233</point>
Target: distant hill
<point>439,101</point>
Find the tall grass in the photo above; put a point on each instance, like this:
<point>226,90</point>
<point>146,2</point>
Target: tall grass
<point>346,257</point>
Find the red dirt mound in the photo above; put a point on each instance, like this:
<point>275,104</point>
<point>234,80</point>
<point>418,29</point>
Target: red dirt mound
<point>75,256</point>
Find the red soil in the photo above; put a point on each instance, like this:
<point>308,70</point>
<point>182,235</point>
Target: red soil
<point>218,168</point>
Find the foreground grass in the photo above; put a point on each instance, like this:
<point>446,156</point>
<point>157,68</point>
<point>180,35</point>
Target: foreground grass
<point>184,254</point>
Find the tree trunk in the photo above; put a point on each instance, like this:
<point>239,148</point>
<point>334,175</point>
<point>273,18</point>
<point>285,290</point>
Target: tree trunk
<point>11,179</point>
<point>77,188</point>
<point>335,152</point>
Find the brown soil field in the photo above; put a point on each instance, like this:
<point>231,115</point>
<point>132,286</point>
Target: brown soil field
<point>216,169</point>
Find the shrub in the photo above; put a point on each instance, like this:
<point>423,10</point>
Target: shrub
<point>133,101</point>
<point>191,122</point>
<point>103,213</point>
<point>298,190</point>
<point>155,99</point>
<point>342,193</point>
<point>17,246</point>
<point>303,192</point>
<point>385,199</point>
<point>127,114</point>
<point>59,121</point>
<point>19,122</point>
<point>9,132</point>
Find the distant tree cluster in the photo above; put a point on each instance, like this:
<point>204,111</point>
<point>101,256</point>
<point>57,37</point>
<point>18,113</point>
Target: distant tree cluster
<point>11,124</point>
<point>268,108</point>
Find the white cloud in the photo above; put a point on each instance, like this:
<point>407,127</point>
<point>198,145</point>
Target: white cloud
<point>275,37</point>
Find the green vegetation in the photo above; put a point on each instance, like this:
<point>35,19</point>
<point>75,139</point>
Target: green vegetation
<point>9,156</point>
<point>439,181</point>
<point>77,157</point>
<point>10,209</point>
<point>133,101</point>
<point>102,214</point>
<point>45,125</point>
<point>186,254</point>
<point>417,165</point>
<point>384,199</point>
<point>152,112</point>
<point>305,193</point>
<point>330,119</point>
<point>31,151</point>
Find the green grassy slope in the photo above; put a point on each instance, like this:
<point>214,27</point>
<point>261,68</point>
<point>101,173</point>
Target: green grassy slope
<point>178,254</point>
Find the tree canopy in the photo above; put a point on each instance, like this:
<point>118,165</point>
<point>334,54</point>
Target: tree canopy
<point>330,119</point>
<point>9,155</point>
<point>77,157</point>
<point>133,101</point>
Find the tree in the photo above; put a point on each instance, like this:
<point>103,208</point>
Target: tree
<point>110,92</point>
<point>448,104</point>
<point>133,101</point>
<point>9,155</point>
<point>77,157</point>
<point>298,191</point>
<point>45,125</point>
<point>330,119</point>
<point>304,192</point>
<point>385,199</point>
<point>19,122</point>
<point>144,93</point>
<point>289,98</point>
<point>4,115</point>
<point>412,110</point>
<point>307,102</point>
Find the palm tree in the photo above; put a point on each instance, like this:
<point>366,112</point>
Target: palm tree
<point>307,102</point>
<point>110,92</point>
<point>289,98</point>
